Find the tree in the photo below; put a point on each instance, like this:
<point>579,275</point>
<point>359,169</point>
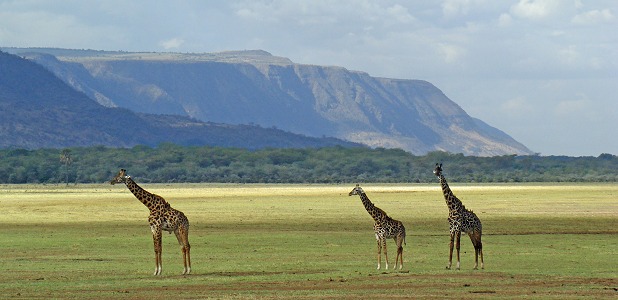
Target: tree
<point>66,159</point>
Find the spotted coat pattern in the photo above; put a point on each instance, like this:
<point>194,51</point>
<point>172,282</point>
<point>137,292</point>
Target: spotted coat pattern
<point>162,218</point>
<point>460,220</point>
<point>384,227</point>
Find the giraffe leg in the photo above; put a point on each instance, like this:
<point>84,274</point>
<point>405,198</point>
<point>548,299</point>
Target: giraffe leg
<point>156,236</point>
<point>480,250</point>
<point>159,262</point>
<point>188,258</point>
<point>379,251</point>
<point>450,254</point>
<point>476,255</point>
<point>475,237</point>
<point>476,249</point>
<point>457,244</point>
<point>396,257</point>
<point>182,235</point>
<point>482,262</point>
<point>399,258</point>
<point>385,252</point>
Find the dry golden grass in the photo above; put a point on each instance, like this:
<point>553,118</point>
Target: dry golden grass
<point>306,241</point>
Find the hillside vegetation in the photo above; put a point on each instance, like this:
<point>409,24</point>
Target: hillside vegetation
<point>255,87</point>
<point>171,163</point>
<point>38,110</point>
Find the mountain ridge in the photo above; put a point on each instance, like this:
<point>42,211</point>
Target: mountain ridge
<point>255,87</point>
<point>38,110</point>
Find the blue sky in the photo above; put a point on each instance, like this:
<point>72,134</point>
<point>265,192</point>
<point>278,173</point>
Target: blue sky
<point>543,71</point>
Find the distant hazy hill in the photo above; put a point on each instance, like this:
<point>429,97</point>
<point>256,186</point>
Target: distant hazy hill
<point>39,110</point>
<point>254,87</point>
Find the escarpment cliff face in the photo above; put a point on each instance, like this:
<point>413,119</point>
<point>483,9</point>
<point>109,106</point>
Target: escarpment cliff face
<point>38,110</point>
<point>254,87</point>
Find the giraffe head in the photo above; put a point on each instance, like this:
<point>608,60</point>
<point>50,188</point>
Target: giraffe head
<point>437,170</point>
<point>356,191</point>
<point>121,177</point>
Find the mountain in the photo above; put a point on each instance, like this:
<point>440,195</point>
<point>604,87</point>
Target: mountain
<point>255,87</point>
<point>38,110</point>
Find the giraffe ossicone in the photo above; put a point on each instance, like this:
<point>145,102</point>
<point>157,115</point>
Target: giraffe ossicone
<point>384,227</point>
<point>162,218</point>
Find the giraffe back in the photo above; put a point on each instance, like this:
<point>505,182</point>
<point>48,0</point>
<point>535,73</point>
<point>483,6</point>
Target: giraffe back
<point>384,225</point>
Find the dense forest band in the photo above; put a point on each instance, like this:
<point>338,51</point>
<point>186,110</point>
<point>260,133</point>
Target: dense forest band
<point>171,163</point>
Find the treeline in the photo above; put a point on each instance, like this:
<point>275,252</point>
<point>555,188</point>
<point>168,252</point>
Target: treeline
<point>171,163</point>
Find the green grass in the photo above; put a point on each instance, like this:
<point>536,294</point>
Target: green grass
<point>306,241</point>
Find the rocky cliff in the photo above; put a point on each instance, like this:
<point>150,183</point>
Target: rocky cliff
<point>38,110</point>
<point>255,87</point>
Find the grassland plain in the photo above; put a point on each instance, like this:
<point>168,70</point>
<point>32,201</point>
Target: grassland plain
<point>307,241</point>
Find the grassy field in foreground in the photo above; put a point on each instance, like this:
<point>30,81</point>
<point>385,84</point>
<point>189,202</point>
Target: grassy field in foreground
<point>307,241</point>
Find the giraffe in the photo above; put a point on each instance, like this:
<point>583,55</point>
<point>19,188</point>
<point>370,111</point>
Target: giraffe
<point>162,217</point>
<point>460,220</point>
<point>384,227</point>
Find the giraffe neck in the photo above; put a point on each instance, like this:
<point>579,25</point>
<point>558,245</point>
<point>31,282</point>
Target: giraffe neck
<point>376,213</point>
<point>151,200</point>
<point>452,202</point>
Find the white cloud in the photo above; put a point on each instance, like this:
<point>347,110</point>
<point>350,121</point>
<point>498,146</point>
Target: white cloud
<point>247,13</point>
<point>534,9</point>
<point>349,13</point>
<point>399,13</point>
<point>505,20</point>
<point>569,55</point>
<point>517,106</point>
<point>574,108</point>
<point>173,43</point>
<point>593,17</point>
<point>40,28</point>
<point>501,50</point>
<point>451,53</point>
<point>455,7</point>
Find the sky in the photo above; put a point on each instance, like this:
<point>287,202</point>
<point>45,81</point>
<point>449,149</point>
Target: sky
<point>543,71</point>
